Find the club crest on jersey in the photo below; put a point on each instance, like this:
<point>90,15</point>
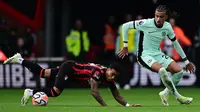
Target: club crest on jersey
<point>97,76</point>
<point>163,34</point>
<point>141,22</point>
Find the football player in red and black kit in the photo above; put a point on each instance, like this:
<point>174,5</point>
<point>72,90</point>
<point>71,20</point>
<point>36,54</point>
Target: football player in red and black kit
<point>95,74</point>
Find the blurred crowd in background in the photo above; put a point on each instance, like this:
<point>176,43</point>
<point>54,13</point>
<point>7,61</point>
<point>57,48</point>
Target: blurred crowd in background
<point>80,47</point>
<point>15,40</point>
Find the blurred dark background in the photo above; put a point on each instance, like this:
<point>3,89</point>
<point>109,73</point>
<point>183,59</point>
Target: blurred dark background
<point>61,15</point>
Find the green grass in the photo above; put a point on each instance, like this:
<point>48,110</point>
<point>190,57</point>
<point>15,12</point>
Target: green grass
<point>80,100</point>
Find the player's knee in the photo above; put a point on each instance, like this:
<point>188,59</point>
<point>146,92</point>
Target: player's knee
<point>47,73</point>
<point>163,72</point>
<point>64,65</point>
<point>56,92</point>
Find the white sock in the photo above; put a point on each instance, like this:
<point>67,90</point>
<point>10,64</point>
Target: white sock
<point>30,92</point>
<point>175,79</point>
<point>168,82</point>
<point>166,91</point>
<point>20,60</point>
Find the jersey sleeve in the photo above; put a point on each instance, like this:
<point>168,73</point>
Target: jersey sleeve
<point>171,33</point>
<point>96,75</point>
<point>125,27</point>
<point>140,24</point>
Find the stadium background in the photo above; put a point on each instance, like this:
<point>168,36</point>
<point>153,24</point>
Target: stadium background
<point>52,20</point>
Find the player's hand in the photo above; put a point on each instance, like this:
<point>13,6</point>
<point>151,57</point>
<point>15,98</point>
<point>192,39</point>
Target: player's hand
<point>135,105</point>
<point>104,105</point>
<point>123,52</point>
<point>190,67</point>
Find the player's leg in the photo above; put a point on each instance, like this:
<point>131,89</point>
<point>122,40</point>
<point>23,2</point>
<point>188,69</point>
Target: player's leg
<point>151,63</point>
<point>165,78</point>
<point>56,90</point>
<point>65,69</point>
<point>177,72</point>
<point>51,92</point>
<point>169,85</point>
<point>33,67</point>
<point>36,69</point>
<point>14,59</point>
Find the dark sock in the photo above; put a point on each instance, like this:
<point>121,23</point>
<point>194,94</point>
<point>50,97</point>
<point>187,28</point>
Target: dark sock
<point>33,67</point>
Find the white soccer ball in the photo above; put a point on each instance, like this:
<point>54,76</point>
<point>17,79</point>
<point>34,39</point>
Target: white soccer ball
<point>40,99</point>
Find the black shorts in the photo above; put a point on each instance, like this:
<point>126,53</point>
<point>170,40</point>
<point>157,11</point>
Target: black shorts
<point>64,70</point>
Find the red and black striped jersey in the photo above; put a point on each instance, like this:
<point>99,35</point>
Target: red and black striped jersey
<point>85,71</point>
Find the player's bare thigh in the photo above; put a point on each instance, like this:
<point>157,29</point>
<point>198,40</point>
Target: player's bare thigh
<point>156,66</point>
<point>174,67</point>
<point>47,73</point>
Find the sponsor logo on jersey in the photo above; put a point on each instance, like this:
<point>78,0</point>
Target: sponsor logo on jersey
<point>153,31</point>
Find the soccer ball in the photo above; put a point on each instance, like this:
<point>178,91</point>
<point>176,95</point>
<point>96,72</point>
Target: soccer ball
<point>40,99</point>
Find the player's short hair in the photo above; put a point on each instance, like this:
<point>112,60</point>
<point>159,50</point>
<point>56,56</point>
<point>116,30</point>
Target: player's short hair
<point>117,67</point>
<point>164,8</point>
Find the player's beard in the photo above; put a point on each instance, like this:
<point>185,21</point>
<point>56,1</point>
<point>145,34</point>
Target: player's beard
<point>160,24</point>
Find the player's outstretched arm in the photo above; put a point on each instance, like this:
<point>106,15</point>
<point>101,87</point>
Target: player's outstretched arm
<point>95,92</point>
<point>119,98</point>
<point>189,65</point>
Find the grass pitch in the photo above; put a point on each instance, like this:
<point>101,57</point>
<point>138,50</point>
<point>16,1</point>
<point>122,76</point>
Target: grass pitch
<point>80,100</point>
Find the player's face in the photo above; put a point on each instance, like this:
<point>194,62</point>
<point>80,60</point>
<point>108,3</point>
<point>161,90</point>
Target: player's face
<point>160,18</point>
<point>110,74</point>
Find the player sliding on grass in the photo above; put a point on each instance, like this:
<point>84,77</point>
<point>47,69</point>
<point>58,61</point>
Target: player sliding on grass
<point>152,32</point>
<point>95,74</point>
